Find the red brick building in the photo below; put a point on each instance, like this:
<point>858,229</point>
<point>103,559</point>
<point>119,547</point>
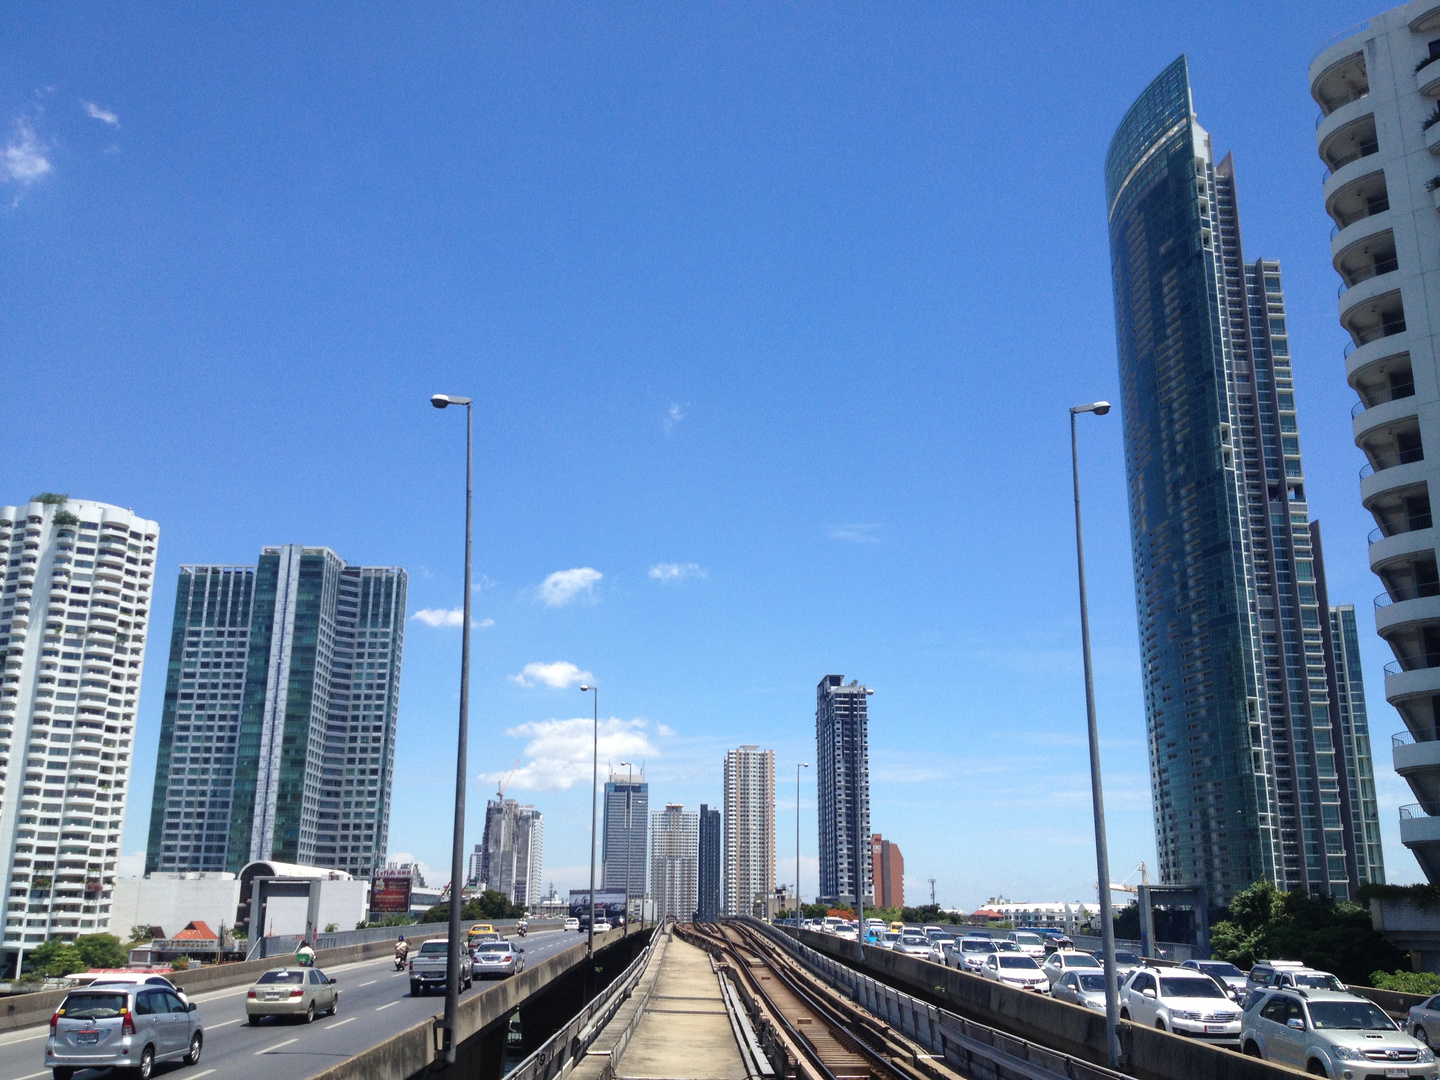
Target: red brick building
<point>889,870</point>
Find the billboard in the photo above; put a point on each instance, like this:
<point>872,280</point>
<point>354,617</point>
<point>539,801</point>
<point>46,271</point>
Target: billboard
<point>390,893</point>
<point>612,901</point>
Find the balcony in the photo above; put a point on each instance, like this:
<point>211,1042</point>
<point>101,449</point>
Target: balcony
<point>1388,379</point>
<point>1361,358</point>
<point>1337,63</point>
<point>1376,313</point>
<point>1391,413</point>
<point>1354,222</point>
<point>1392,615</point>
<point>1390,458</point>
<point>1349,112</point>
<point>1350,141</point>
<point>1421,834</point>
<point>1388,549</point>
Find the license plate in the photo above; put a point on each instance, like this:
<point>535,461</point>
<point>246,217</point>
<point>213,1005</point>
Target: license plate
<point>1213,1029</point>
<point>87,1036</point>
<point>1396,1072</point>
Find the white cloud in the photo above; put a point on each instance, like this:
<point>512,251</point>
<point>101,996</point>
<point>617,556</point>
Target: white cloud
<point>664,729</point>
<point>399,858</point>
<point>673,416</point>
<point>856,534</point>
<point>561,587</point>
<point>24,160</point>
<point>561,674</point>
<point>667,572</point>
<point>95,112</point>
<point>448,617</point>
<point>559,751</point>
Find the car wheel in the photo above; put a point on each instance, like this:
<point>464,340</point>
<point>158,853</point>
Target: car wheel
<point>1124,1014</point>
<point>1315,1068</point>
<point>414,989</point>
<point>147,1063</point>
<point>64,1074</point>
<point>1160,1024</point>
<point>335,1005</point>
<point>1421,1035</point>
<point>196,1044</point>
<point>253,1021</point>
<point>310,1013</point>
<point>1252,1050</point>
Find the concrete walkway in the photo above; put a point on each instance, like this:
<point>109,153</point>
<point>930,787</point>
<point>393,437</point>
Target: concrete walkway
<point>684,1032</point>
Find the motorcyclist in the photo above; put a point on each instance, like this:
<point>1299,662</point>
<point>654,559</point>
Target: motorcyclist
<point>305,955</point>
<point>402,950</point>
<point>523,924</point>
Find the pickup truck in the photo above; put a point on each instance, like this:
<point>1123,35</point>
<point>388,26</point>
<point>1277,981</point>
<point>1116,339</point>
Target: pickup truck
<point>428,967</point>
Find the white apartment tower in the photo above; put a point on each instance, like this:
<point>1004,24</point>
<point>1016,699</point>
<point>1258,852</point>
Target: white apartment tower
<point>749,844</point>
<point>675,862</point>
<point>74,616</point>
<point>510,857</point>
<point>1378,88</point>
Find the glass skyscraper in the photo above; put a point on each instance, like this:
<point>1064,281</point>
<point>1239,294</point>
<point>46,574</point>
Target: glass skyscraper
<point>709,872</point>
<point>1251,771</point>
<point>277,737</point>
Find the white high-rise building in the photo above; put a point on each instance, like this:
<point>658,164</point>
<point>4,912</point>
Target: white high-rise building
<point>1378,88</point>
<point>675,862</point>
<point>512,851</point>
<point>749,866</point>
<point>74,616</point>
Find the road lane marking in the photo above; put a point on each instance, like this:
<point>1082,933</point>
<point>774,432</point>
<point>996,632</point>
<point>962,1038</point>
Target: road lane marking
<point>198,1075</point>
<point>32,1076</point>
<point>227,1023</point>
<point>338,1023</point>
<point>372,982</point>
<point>25,1038</point>
<point>387,1006</point>
<point>277,1046</point>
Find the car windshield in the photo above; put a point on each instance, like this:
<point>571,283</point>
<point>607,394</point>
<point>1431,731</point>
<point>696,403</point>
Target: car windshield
<point>1024,963</point>
<point>941,939</point>
<point>1006,946</point>
<point>1192,986</point>
<point>435,948</point>
<point>1223,971</point>
<point>496,947</point>
<point>1320,980</point>
<point>914,939</point>
<point>93,1006</point>
<point>1123,957</point>
<point>1349,1015</point>
<point>1028,939</point>
<point>281,977</point>
<point>1092,984</point>
<point>977,946</point>
<point>1080,960</point>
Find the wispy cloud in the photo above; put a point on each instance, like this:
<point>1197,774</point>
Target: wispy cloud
<point>95,112</point>
<point>673,416</point>
<point>856,534</point>
<point>25,159</point>
<point>448,617</point>
<point>559,751</point>
<point>561,587</point>
<point>668,572</point>
<point>560,674</point>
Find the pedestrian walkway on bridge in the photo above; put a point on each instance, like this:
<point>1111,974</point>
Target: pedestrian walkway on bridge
<point>683,1031</point>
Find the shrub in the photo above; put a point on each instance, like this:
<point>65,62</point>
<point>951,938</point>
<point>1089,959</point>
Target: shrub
<point>1407,982</point>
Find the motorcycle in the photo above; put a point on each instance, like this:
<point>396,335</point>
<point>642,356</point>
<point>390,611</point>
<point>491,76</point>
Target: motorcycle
<point>521,929</point>
<point>400,957</point>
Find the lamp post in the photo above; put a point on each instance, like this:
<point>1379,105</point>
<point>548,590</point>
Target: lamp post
<point>457,848</point>
<point>629,785</point>
<point>1102,852</point>
<point>798,767</point>
<point>594,691</point>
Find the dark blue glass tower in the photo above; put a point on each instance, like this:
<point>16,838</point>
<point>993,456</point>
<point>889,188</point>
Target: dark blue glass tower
<point>1248,760</point>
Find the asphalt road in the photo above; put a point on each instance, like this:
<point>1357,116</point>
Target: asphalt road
<point>375,1003</point>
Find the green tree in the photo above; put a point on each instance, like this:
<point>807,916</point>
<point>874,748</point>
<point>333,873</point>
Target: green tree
<point>102,950</point>
<point>55,958</point>
<point>1407,982</point>
<point>139,935</point>
<point>1265,923</point>
<point>1127,921</point>
<point>814,911</point>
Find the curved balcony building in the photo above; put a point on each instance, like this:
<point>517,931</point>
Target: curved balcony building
<point>1258,767</point>
<point>1383,77</point>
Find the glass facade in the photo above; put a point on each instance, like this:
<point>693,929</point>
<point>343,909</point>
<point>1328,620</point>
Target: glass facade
<point>625,832</point>
<point>277,740</point>
<point>1248,766</point>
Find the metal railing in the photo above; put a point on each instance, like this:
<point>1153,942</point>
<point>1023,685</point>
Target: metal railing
<point>1389,461</point>
<point>1364,150</point>
<point>1394,393</point>
<point>1378,268</point>
<point>1354,95</point>
<point>1332,41</point>
<point>1403,738</point>
<point>1417,592</point>
<point>1414,811</point>
<point>557,1053</point>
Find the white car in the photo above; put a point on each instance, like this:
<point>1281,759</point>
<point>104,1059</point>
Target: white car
<point>115,978</point>
<point>938,944</point>
<point>1227,974</point>
<point>602,926</point>
<point>1062,960</point>
<point>1030,944</point>
<point>1016,970</point>
<point>969,953</point>
<point>1083,988</point>
<point>572,924</point>
<point>889,939</point>
<point>1181,1002</point>
<point>1330,1034</point>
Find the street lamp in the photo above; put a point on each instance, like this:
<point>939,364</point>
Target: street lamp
<point>798,767</point>
<point>594,782</point>
<point>629,784</point>
<point>457,848</point>
<point>1102,852</point>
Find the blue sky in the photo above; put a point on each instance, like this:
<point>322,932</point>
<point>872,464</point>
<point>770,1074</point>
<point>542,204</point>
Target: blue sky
<point>772,314</point>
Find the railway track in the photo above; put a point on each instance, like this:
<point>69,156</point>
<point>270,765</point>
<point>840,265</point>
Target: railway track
<point>820,1034</point>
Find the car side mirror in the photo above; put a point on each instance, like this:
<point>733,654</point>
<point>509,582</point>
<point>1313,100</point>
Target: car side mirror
<point>333,980</point>
<point>190,1007</point>
<point>1148,992</point>
<point>1296,1023</point>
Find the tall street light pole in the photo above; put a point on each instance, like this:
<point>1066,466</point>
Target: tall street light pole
<point>594,783</point>
<point>457,847</point>
<point>629,793</point>
<point>798,767</point>
<point>1097,797</point>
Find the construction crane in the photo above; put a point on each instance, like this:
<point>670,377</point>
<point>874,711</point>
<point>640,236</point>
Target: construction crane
<point>500,793</point>
<point>1121,886</point>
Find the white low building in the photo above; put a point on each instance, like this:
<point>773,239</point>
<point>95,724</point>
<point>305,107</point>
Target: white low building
<point>1066,916</point>
<point>170,901</point>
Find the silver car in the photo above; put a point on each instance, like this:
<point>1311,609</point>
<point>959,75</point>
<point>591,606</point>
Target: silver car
<point>1423,1019</point>
<point>498,958</point>
<point>126,1027</point>
<point>1083,988</point>
<point>913,945</point>
<point>1329,1034</point>
<point>297,992</point>
<point>970,953</point>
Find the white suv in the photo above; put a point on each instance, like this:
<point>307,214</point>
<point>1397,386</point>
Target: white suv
<point>1181,1002</point>
<point>1336,1035</point>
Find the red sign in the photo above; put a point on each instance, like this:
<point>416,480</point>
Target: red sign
<point>390,895</point>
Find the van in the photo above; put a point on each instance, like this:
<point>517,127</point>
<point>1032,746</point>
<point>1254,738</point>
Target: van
<point>132,1027</point>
